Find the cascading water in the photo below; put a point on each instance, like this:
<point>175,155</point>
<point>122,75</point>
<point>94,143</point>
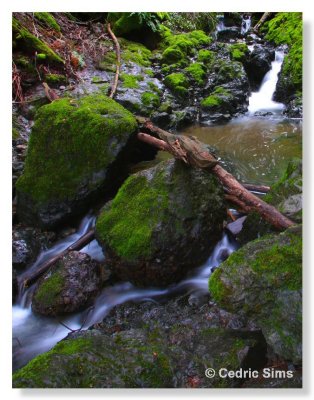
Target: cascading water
<point>246,24</point>
<point>34,334</point>
<point>263,99</point>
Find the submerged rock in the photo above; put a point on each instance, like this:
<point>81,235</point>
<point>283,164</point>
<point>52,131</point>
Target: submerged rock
<point>149,345</point>
<point>285,195</point>
<point>263,281</point>
<point>73,284</point>
<point>162,222</point>
<point>72,154</point>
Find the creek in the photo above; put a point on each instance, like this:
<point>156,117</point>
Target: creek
<point>257,149</point>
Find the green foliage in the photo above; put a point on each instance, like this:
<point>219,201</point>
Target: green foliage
<point>48,20</point>
<point>287,28</point>
<point>127,226</point>
<point>125,23</point>
<point>70,142</point>
<point>177,83</point>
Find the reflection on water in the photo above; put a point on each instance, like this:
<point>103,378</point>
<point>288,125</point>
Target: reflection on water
<point>257,150</point>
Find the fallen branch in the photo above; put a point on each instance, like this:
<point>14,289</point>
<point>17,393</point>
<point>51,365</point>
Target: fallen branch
<point>256,188</point>
<point>79,244</point>
<point>195,153</point>
<point>118,54</point>
<point>265,16</point>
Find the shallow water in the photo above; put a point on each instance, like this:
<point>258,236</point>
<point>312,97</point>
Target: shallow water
<point>258,149</point>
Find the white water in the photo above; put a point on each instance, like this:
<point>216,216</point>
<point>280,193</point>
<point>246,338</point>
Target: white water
<point>263,99</point>
<point>34,334</point>
<point>246,25</point>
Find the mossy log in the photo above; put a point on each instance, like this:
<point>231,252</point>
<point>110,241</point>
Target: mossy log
<point>195,153</point>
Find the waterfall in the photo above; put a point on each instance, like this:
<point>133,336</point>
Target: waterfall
<point>263,99</point>
<point>246,24</point>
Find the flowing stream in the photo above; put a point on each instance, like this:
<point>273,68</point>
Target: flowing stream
<point>259,148</point>
<point>34,334</point>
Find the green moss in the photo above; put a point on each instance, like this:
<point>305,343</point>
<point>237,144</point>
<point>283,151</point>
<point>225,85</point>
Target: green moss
<point>219,97</point>
<point>287,28</point>
<point>50,290</point>
<point>130,81</point>
<point>172,55</point>
<point>281,264</point>
<point>131,52</point>
<point>70,143</point>
<point>216,287</point>
<point>196,72</point>
<point>137,207</point>
<point>55,79</point>
<point>177,47</point>
<point>15,134</point>
<point>154,88</point>
<point>31,43</point>
<point>150,99</point>
<point>228,71</point>
<point>177,83</point>
<point>205,56</point>
<point>48,20</point>
<point>238,52</point>
<point>148,72</point>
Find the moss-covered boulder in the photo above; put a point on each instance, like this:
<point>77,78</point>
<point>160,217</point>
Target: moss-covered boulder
<point>72,285</point>
<point>72,153</point>
<point>285,195</point>
<point>287,28</point>
<point>146,345</point>
<point>263,281</point>
<point>162,222</point>
<point>177,83</point>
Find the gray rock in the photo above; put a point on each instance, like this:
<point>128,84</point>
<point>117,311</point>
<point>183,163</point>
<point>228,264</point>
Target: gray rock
<point>72,285</point>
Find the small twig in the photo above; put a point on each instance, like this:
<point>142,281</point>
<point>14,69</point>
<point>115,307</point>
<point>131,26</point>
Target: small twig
<point>63,324</point>
<point>85,319</point>
<point>118,54</point>
<point>18,341</point>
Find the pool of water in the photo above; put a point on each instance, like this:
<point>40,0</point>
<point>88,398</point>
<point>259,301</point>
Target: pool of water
<point>256,150</point>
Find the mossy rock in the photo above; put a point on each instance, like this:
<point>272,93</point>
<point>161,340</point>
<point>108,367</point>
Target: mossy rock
<point>197,73</point>
<point>55,79</point>
<point>131,52</point>
<point>162,222</point>
<point>27,42</point>
<point>177,83</point>
<point>239,52</point>
<point>71,152</point>
<point>287,28</point>
<point>205,56</point>
<point>263,280</point>
<point>48,19</point>
<point>220,100</point>
<point>285,195</point>
<point>71,286</point>
<point>149,356</point>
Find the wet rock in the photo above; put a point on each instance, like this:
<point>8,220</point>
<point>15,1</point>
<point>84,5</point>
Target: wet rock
<point>235,227</point>
<point>258,64</point>
<point>294,108</point>
<point>57,181</point>
<point>71,285</point>
<point>147,345</point>
<point>163,221</point>
<point>232,32</point>
<point>283,381</point>
<point>27,243</point>
<point>15,286</point>
<point>263,282</point>
<point>285,195</point>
